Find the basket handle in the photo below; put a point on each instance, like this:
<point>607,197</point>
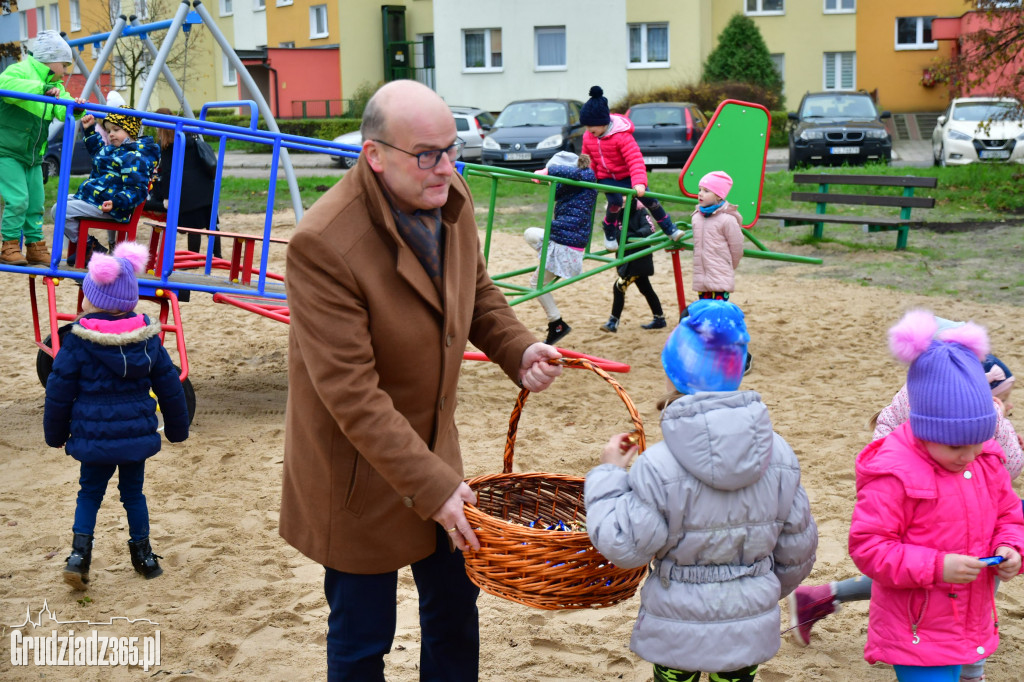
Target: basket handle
<point>577,363</point>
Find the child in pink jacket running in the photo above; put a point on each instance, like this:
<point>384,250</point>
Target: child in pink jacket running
<point>933,499</point>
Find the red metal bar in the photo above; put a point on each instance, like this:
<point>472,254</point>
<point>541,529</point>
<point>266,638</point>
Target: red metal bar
<point>677,272</point>
<point>268,310</point>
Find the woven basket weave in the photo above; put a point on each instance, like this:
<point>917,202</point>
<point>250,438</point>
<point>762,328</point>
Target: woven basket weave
<point>546,569</point>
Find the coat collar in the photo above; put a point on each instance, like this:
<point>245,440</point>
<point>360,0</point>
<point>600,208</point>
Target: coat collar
<point>407,264</point>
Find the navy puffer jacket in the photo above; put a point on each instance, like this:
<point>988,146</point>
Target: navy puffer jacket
<point>574,207</point>
<point>98,402</point>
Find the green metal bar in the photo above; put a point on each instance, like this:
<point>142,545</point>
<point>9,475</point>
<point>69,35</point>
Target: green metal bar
<point>543,253</point>
<point>490,219</point>
<point>821,208</point>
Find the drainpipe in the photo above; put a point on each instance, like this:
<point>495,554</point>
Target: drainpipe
<point>277,98</point>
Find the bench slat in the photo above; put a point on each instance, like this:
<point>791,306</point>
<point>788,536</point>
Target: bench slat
<point>864,199</point>
<point>809,218</point>
<point>878,180</point>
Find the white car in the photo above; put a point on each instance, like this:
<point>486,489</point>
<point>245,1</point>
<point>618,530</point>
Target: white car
<point>353,139</point>
<point>976,129</point>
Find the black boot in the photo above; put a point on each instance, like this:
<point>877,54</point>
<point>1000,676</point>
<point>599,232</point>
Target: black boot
<point>612,325</point>
<point>556,331</point>
<point>76,572</point>
<point>657,323</point>
<point>143,559</point>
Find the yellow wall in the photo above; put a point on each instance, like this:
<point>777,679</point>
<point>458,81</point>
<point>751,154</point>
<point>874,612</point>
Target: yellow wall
<point>689,35</point>
<point>897,73</point>
<point>290,23</point>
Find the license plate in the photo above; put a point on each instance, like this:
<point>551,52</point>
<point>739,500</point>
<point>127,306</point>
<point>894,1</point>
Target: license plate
<point>656,160</point>
<point>994,154</point>
<point>517,156</point>
<point>845,150</point>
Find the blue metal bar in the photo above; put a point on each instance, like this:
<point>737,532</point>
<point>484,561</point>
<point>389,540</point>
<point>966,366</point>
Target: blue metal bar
<point>97,38</point>
<point>253,110</point>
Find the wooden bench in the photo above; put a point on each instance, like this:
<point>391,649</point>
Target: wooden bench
<point>823,198</point>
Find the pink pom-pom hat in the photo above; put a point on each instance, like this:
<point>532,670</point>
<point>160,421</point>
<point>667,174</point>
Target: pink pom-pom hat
<point>111,283</point>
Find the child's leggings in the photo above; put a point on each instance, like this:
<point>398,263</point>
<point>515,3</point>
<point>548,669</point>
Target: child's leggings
<point>917,673</point>
<point>93,484</point>
<point>663,674</point>
<point>535,237</point>
<point>21,187</point>
<point>613,213</point>
<point>643,283</point>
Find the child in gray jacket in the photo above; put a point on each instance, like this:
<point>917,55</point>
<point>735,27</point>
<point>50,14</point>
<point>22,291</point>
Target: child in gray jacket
<point>717,507</point>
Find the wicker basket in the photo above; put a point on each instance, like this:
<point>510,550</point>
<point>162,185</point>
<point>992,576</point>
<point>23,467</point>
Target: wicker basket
<point>546,569</point>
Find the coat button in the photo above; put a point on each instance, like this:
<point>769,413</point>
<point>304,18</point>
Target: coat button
<point>407,501</point>
<point>443,399</point>
<point>980,650</point>
<point>967,475</point>
<point>448,340</point>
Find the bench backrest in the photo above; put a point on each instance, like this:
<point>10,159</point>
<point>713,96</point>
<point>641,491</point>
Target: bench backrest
<point>824,196</point>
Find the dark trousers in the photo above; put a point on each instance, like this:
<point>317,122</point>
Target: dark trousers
<point>643,283</point>
<point>361,625</point>
<point>93,482</point>
<point>613,213</point>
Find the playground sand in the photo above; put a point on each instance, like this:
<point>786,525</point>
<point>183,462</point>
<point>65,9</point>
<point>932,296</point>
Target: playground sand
<point>235,602</point>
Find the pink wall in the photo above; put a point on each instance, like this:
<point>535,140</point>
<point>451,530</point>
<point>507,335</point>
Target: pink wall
<point>952,28</point>
<point>311,75</point>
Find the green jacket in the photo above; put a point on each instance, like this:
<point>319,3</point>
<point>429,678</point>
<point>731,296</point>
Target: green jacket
<point>24,124</point>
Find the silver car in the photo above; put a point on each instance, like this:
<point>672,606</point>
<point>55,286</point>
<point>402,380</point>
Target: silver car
<point>471,124</point>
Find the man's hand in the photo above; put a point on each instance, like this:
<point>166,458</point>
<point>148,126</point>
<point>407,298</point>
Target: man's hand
<point>107,206</point>
<point>960,568</point>
<point>535,372</point>
<point>640,190</point>
<point>453,519</point>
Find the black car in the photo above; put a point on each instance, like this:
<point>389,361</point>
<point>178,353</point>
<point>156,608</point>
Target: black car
<point>667,132</point>
<point>529,132</point>
<point>836,128</point>
<point>81,161</point>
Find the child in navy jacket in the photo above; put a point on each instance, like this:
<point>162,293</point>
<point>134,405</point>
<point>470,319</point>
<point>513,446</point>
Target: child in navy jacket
<point>99,407</point>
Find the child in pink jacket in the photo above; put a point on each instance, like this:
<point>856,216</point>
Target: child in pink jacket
<point>933,499</point>
<point>616,160</point>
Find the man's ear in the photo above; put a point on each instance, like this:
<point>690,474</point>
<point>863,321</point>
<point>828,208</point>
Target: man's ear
<point>372,151</point>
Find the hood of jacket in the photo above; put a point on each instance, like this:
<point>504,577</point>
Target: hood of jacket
<point>118,342</point>
<point>619,124</point>
<point>723,439</point>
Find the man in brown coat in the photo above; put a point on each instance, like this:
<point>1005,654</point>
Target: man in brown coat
<point>386,284</point>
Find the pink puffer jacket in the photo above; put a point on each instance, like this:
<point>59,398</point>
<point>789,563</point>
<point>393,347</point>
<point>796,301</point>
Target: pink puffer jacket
<point>909,514</point>
<point>717,249</point>
<point>615,154</point>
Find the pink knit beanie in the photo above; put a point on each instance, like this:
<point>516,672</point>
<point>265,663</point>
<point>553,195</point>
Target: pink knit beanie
<point>717,182</point>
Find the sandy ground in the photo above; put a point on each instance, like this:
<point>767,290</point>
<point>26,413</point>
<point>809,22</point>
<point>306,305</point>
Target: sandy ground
<point>235,602</point>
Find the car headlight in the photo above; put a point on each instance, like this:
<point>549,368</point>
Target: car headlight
<point>1020,138</point>
<point>812,135</point>
<point>550,142</point>
<point>874,134</point>
<point>489,143</point>
<point>957,135</point>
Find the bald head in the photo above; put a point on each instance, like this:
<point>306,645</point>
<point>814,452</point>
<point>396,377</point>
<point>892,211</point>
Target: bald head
<point>398,103</point>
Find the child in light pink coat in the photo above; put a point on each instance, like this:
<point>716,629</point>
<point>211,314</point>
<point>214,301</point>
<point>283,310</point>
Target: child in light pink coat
<point>933,499</point>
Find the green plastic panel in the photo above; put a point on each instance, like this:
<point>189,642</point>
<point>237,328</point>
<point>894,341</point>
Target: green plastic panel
<point>735,141</point>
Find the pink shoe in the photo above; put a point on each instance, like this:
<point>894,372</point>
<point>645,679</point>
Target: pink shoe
<point>808,605</point>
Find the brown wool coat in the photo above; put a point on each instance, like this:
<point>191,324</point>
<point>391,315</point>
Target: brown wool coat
<point>371,448</point>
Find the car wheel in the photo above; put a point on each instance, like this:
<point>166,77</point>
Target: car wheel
<point>935,157</point>
<point>792,161</point>
<point>44,362</point>
<point>942,155</point>
<point>349,162</point>
<point>51,167</point>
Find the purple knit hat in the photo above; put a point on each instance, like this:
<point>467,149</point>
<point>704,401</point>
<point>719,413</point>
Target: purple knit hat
<point>950,399</point>
<point>111,283</point>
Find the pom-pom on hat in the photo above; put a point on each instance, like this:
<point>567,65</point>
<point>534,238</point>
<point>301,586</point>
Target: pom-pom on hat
<point>111,283</point>
<point>708,349</point>
<point>595,110</point>
<point>130,124</point>
<point>950,398</point>
<point>717,182</point>
<point>51,48</point>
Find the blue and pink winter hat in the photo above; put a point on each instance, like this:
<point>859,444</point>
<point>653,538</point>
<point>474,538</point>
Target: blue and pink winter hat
<point>707,351</point>
<point>112,283</point>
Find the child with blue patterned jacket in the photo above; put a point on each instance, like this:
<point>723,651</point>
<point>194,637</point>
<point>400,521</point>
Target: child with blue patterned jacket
<point>571,226</point>
<point>99,407</point>
<point>121,172</point>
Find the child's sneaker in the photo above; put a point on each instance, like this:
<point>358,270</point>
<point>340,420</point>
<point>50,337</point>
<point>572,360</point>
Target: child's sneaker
<point>657,323</point>
<point>557,331</point>
<point>808,605</point>
<point>612,325</point>
<point>611,236</point>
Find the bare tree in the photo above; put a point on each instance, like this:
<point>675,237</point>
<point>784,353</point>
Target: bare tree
<point>988,59</point>
<point>130,60</point>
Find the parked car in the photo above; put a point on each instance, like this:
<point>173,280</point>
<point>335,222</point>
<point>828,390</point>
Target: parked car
<point>836,128</point>
<point>81,161</point>
<point>528,132</point>
<point>471,124</point>
<point>976,129</point>
<point>667,132</point>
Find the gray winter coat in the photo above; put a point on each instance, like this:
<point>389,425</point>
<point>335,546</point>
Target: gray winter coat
<point>719,506</point>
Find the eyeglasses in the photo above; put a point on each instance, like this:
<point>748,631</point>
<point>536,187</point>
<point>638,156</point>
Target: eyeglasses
<point>429,159</point>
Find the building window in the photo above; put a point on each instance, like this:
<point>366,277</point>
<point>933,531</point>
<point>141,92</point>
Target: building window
<point>115,10</point>
<point>23,21</point>
<point>648,45</point>
<point>914,33</point>
<point>230,77</point>
<point>259,5</point>
<point>288,45</point>
<point>481,49</point>
<point>226,8</point>
<point>55,17</point>
<point>318,21</point>
<point>840,6</point>
<point>550,48</point>
<point>282,3</point>
<point>840,70</point>
<point>142,10</point>
<point>40,19</point>
<point>779,62</point>
<point>765,6</point>
<point>120,73</point>
<point>76,15</point>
